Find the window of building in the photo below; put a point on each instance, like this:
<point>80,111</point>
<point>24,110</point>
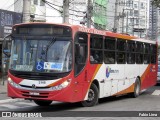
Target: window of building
<point>36,2</point>
<point>142,22</point>
<point>131,21</point>
<point>137,21</point>
<point>42,3</point>
<point>136,13</point>
<point>142,5</point>
<point>129,3</point>
<point>131,13</point>
<point>136,5</point>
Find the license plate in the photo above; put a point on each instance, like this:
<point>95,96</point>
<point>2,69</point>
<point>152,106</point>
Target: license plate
<point>34,93</point>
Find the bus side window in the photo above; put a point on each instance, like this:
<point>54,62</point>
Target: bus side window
<point>96,49</point>
<point>153,54</point>
<point>139,53</point>
<point>109,50</point>
<point>131,47</point>
<point>146,53</point>
<point>121,51</point>
<point>81,40</point>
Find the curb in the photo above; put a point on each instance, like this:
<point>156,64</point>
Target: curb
<point>3,92</point>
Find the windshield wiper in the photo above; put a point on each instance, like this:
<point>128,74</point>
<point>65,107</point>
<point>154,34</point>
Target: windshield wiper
<point>53,40</point>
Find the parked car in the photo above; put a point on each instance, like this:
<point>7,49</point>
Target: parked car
<point>158,74</point>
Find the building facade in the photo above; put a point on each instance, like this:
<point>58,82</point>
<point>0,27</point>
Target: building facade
<point>154,25</point>
<point>100,14</point>
<point>133,17</point>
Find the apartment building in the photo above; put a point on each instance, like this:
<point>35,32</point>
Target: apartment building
<point>134,17</point>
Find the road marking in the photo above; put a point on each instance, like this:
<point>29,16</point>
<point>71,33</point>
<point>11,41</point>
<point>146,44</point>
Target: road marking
<point>9,106</point>
<point>26,103</point>
<point>10,100</point>
<point>156,92</point>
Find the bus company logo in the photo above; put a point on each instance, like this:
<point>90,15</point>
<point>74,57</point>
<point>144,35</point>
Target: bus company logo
<point>108,70</point>
<point>33,86</point>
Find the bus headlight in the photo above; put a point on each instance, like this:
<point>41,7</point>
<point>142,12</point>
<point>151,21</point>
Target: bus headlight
<point>61,86</point>
<point>12,83</point>
<point>66,83</point>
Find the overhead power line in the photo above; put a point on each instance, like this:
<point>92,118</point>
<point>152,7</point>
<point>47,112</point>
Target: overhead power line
<point>12,4</point>
<point>49,4</point>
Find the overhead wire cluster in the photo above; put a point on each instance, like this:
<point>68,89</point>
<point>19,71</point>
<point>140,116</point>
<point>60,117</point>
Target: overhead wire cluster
<point>75,11</point>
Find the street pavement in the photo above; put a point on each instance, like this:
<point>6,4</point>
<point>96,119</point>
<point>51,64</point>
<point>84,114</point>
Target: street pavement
<point>3,90</point>
<point>3,87</point>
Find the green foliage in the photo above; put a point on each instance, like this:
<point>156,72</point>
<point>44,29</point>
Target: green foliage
<point>156,3</point>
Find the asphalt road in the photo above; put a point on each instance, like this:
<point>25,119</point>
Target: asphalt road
<point>120,107</point>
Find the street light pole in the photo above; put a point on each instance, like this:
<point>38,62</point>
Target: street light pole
<point>115,16</point>
<point>26,11</point>
<point>89,9</point>
<point>66,11</point>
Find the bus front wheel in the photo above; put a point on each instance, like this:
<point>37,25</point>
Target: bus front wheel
<point>137,88</point>
<point>42,102</point>
<point>92,96</point>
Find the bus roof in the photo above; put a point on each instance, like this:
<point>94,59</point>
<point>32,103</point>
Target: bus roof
<point>95,31</point>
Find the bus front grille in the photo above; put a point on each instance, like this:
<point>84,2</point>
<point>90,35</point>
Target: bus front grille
<point>28,94</point>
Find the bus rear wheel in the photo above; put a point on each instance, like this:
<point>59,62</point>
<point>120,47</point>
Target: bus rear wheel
<point>42,102</point>
<point>137,88</point>
<point>92,96</point>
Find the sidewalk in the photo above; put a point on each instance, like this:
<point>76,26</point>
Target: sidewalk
<point>3,88</point>
<point>3,94</point>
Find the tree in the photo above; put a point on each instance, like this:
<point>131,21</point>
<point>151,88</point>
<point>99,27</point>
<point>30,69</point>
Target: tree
<point>156,3</point>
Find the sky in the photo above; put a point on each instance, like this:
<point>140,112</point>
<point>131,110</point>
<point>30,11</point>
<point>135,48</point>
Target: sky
<point>7,5</point>
<point>51,14</point>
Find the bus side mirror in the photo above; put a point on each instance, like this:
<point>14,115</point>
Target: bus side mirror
<point>6,46</point>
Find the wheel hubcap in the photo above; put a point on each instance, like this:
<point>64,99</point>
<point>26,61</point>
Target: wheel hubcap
<point>91,95</point>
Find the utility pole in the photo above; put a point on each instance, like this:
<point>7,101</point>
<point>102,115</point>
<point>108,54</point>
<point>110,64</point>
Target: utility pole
<point>123,15</point>
<point>115,17</point>
<point>26,10</point>
<point>89,12</point>
<point>66,11</point>
<point>127,23</point>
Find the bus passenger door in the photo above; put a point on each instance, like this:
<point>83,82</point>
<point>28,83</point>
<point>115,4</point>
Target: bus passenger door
<point>80,63</point>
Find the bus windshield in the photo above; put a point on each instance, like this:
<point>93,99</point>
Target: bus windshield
<point>48,55</point>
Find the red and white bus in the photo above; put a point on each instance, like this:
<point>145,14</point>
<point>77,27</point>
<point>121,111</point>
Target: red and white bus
<point>69,63</point>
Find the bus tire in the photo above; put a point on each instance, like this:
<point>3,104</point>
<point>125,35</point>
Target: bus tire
<point>92,96</point>
<point>42,102</point>
<point>137,88</point>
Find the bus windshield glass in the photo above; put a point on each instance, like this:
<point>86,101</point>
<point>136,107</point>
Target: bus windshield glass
<point>48,55</point>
